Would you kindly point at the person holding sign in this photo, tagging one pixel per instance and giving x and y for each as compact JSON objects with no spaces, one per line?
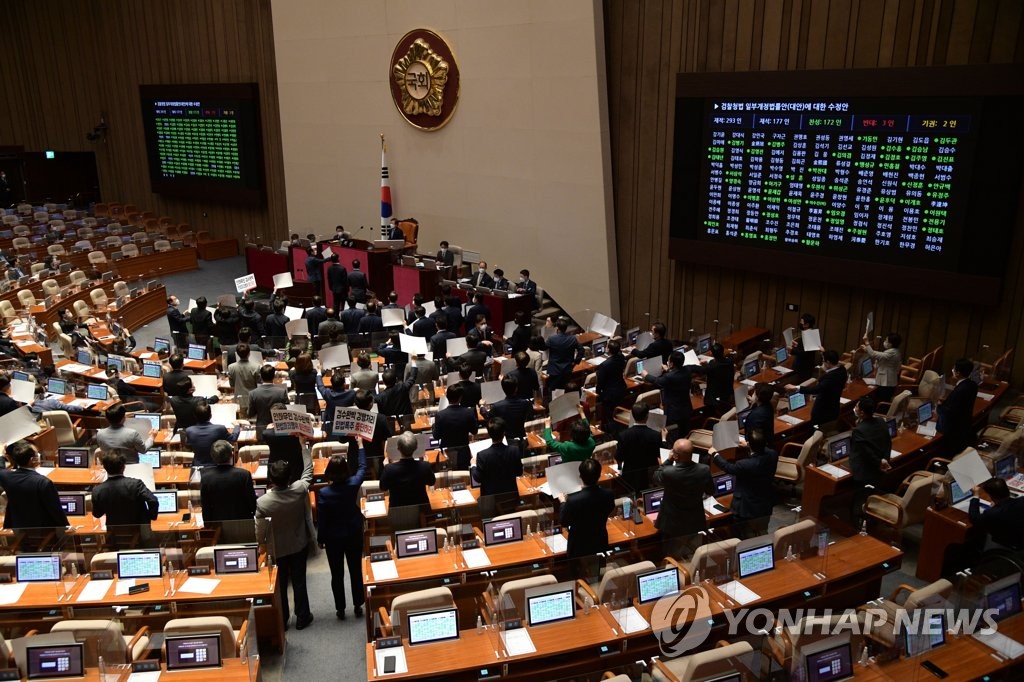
{"x":340,"y":529}
{"x":887,"y":365}
{"x":754,"y":496}
{"x":579,"y":447}
{"x":803,"y":360}
{"x":828,"y":390}
{"x":336,"y":396}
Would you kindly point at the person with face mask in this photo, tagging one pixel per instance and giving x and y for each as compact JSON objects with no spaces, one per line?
{"x":526,"y":285}
{"x":481,"y":278}
{"x":445,"y":256}
{"x":887,"y":365}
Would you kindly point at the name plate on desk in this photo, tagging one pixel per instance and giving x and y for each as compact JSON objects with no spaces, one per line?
{"x":138,"y":589}
{"x":5,"y":578}
{"x":380,"y":556}
{"x":458,"y":486}
{"x":199,"y":570}
{"x":514,"y":624}
{"x":375,"y":497}
{"x":387,"y":642}
{"x":470,"y":544}
{"x":145,"y":666}
{"x":101,"y":575}
{"x":11,"y":674}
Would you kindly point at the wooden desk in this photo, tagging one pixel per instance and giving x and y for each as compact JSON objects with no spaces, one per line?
{"x":410,"y":280}
{"x":264,"y":265}
{"x":156,"y":264}
{"x":944,"y":532}
{"x":375,"y":263}
{"x":231,"y":670}
{"x":745,"y":341}
{"x":216,"y":249}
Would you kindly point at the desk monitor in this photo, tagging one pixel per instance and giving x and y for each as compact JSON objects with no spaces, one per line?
{"x":152,"y":417}
{"x":893,"y":426}
{"x":724,"y":483}
{"x":196,"y":351}
{"x":152,"y":370}
{"x":416,"y":542}
{"x":924,"y":412}
{"x":138,"y":565}
{"x":1003,"y":597}
{"x":150,"y":457}
{"x":839,"y":446}
{"x":956,"y":493}
{"x":652,"y":502}
{"x":188,"y":652}
{"x":115,"y":362}
{"x":74,"y":458}
{"x":57,"y":386}
{"x":502,"y":531}
{"x":781,"y":354}
{"x":168,"y":501}
{"x":704,"y":344}
{"x":19,"y":375}
{"x":107,"y":276}
{"x":741,"y":417}
{"x":550,"y":603}
{"x":1005,"y":467}
{"x":866,"y":367}
{"x":829,"y":664}
{"x":599,"y":347}
{"x":260,"y":490}
{"x":554,"y":460}
{"x":161,"y":345}
{"x":755,"y":560}
{"x":72,"y":504}
{"x":750,"y":368}
{"x":83,"y":357}
{"x":657,"y":584}
{"x":435,"y":625}
{"x":934,"y":635}
{"x":54,"y":660}
{"x":237,"y":559}
{"x":796,"y":401}
{"x":96,"y":392}
{"x":631,"y":335}
{"x":36,"y":568}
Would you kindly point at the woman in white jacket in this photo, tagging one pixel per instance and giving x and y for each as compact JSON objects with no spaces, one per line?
{"x":887,"y":365}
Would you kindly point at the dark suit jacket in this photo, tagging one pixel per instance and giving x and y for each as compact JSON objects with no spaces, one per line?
{"x":350,"y":317}
{"x":529,"y":382}
{"x":202,"y":321}
{"x":828,"y":389}
{"x":761,"y":417}
{"x":227,"y":493}
{"x":337,"y":280}
{"x":275,"y":325}
{"x":585,"y":513}
{"x":638,"y":452}
{"x":682,"y":507}
{"x":658,"y":348}
{"x":803,"y":360}
{"x":611,"y":385}
{"x":956,"y":416}
{"x":753,"y":496}
{"x":337,"y":507}
{"x":422,"y":327}
{"x":520,"y":339}
{"x":370,"y":323}
{"x":333,"y":400}
{"x":8,"y":404}
{"x":564,"y":351}
{"x":314,"y":316}
{"x":500,"y":283}
{"x":870,"y":444}
{"x":395,"y":400}
{"x":251,"y":319}
{"x":406,"y":481}
{"x":314,"y":269}
{"x":476,"y":359}
{"x":474,"y":310}
{"x":497,"y":468}
{"x":481,"y":279}
{"x":515,"y":411}
{"x":184,"y":407}
{"x":125,"y":501}
{"x":176,"y":320}
{"x":173,"y":382}
{"x":201,"y":437}
{"x":719,"y":375}
{"x":439,"y":342}
{"x":675,"y":396}
{"x":226,"y":325}
{"x":471,"y":392}
{"x":358,"y":283}
{"x":445,"y":257}
{"x":262,"y":398}
{"x":32,"y":500}
{"x":1002,"y":521}
{"x":453,"y":426}
{"x":527,"y":287}
{"x":454,"y":315}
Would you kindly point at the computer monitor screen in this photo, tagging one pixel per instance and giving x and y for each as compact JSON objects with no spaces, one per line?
{"x":72,"y":504}
{"x":631,"y":335}
{"x":1005,"y":601}
{"x":187,"y":652}
{"x":432,"y":626}
{"x":933,"y":635}
{"x":956,"y":493}
{"x":502,"y":531}
{"x":704,"y":344}
{"x":58,"y":386}
{"x":652,"y":500}
{"x":781,"y":354}
{"x":96,"y":392}
{"x":924,"y":412}
{"x":554,"y":460}
{"x":1005,"y":467}
{"x":161,"y":345}
{"x":755,"y":560}
{"x":750,"y":369}
{"x":196,"y":352}
{"x":54,"y":660}
{"x":76,"y":458}
{"x":550,"y":605}
{"x":152,"y":370}
{"x":416,"y":542}
{"x":150,"y":457}
{"x":839,"y":446}
{"x":115,"y":362}
{"x":168,"y":501}
{"x":236,"y":559}
{"x":830,"y":664}
{"x":138,"y":565}
{"x":83,"y":357}
{"x":736,"y":677}
{"x":796,"y":401}
{"x":724,"y":483}
{"x":152,"y":417}
{"x":599,"y":347}
{"x":260,"y":490}
{"x":657,"y":584}
{"x":35,"y":568}
{"x":893,"y":427}
{"x":19,"y":375}
{"x":866,"y":367}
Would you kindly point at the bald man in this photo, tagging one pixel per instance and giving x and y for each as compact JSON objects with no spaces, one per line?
{"x":685,"y":482}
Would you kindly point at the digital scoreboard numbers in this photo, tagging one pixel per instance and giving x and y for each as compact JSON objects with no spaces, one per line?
{"x":831,"y":176}
{"x":197,"y":140}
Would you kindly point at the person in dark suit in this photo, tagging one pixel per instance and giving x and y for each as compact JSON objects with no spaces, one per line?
{"x":500,"y":282}
{"x":275,"y":325}
{"x":1002,"y":521}
{"x":471,"y":392}
{"x":439,"y":341}
{"x":337,"y":282}
{"x":828,"y":390}
{"x":177,"y":323}
{"x":754,"y":494}
{"x":7,"y":403}
{"x":394,"y":399}
{"x":225,"y":325}
{"x":762,"y":416}
{"x":315,"y":268}
{"x":422,"y":326}
{"x":334,"y":397}
{"x":870,"y":448}
{"x":675,"y":386}
{"x":125,"y":501}
{"x":226,"y":491}
{"x":564,"y":351}
{"x":803,"y":360}
{"x":521,"y":335}
{"x":474,"y":357}
{"x":315,"y":314}
{"x":478,"y":308}
{"x":352,"y":315}
{"x":453,"y":311}
{"x":455,"y":425}
{"x":660,"y":347}
{"x":32,"y":500}
{"x":357,"y":282}
{"x":174,"y":382}
{"x":585,"y":513}
{"x":371,"y":321}
{"x":526,"y":378}
{"x":340,"y":529}
{"x":445,"y":257}
{"x":498,"y":466}
{"x":956,"y":412}
{"x":481,"y":278}
{"x":265,"y":396}
{"x":611,"y":385}
{"x":381,"y":432}
{"x":513,"y":410}
{"x":407,"y":479}
{"x":248,"y":317}
{"x":202,"y":322}
{"x":202,"y":435}
{"x":639,"y":450}
{"x":184,"y":406}
{"x":526,"y":285}
{"x":682,"y":508}
{"x":718,"y":396}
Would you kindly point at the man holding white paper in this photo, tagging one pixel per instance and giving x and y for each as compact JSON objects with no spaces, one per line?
{"x":803,"y":360}
{"x":118,"y":437}
{"x":754,"y":494}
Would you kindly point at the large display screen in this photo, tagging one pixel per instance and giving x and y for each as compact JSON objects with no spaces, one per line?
{"x":804,"y":174}
{"x":203,"y":141}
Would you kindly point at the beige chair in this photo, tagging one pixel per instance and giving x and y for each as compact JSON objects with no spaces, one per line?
{"x":113,"y":241}
{"x":701,"y":666}
{"x":717,"y":552}
{"x":81,"y":309}
{"x":99,"y":298}
{"x":10,"y":220}
{"x":87,"y":225}
{"x":617,"y":584}
{"x":121,"y":289}
{"x":82,"y":244}
{"x":167,"y":421}
{"x":328,"y":449}
{"x":66,"y":430}
{"x":512,"y":593}
{"x":56,"y":250}
{"x":7,"y":310}
{"x":66,"y":348}
{"x":605,"y":452}
{"x":36,"y":268}
{"x":70,"y":214}
{"x":897,"y":511}
{"x":161,"y":245}
{"x":21,"y":243}
{"x":897,"y":407}
{"x":630,"y":370}
{"x":77,"y":277}
{"x":652,"y":398}
{"x":26,"y":298}
{"x":797,"y":537}
{"x":930,"y":596}
{"x":97,"y":258}
{"x":105,"y":638}
{"x":130,"y":250}
{"x":51,"y":288}
{"x":22,"y":230}
{"x":253,"y":453}
{"x":785,"y":645}
{"x":433,"y":598}
{"x":40,"y":216}
{"x":791,"y":469}
{"x":231,"y":640}
{"x":179,"y":457}
{"x":140,"y":237}
{"x":529,"y":517}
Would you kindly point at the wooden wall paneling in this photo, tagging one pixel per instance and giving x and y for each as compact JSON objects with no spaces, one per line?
{"x":769,"y":17}
{"x":1000,"y":46}
{"x":867,"y":43}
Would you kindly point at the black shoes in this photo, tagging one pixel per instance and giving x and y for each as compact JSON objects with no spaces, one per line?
{"x":303,"y":623}
{"x":358,"y":611}
{"x":340,"y":614}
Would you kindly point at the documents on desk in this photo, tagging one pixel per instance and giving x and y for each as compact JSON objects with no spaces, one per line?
{"x":10,"y":594}
{"x":199,"y":585}
{"x":474,"y":558}
{"x":834,"y":471}
{"x":630,"y":620}
{"x":377,"y":508}
{"x":709,"y":505}
{"x":75,"y":368}
{"x":927,"y":430}
{"x":460,"y":497}
{"x":986,"y":396}
{"x":748,"y":382}
{"x":95,"y":590}
{"x":45,"y":471}
{"x":739,"y":592}
{"x":790,"y":419}
{"x":517,"y":642}
{"x":557,"y":543}
{"x":384,"y":570}
{"x":594,"y":362}
{"x":261,"y":472}
{"x":779,"y":369}
{"x":122,"y":587}
{"x":893,"y":454}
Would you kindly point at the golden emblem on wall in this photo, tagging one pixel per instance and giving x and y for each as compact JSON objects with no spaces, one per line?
{"x":424,"y":79}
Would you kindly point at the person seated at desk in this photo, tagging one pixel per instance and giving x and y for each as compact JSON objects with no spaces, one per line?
{"x":585,"y":514}
{"x":659,"y":347}
{"x":580,"y":445}
{"x":439,"y":341}
{"x":956,"y":412}
{"x":32,"y":500}
{"x":512,"y":410}
{"x":455,"y":426}
{"x":352,"y":315}
{"x":394,"y":231}
{"x":371,"y":321}
{"x":498,"y":466}
{"x":42,"y":403}
{"x":526,"y":285}
{"x":264,"y":396}
{"x":185,"y":407}
{"x":887,"y":365}
{"x":639,"y":450}
{"x":481,"y":278}
{"x":120,"y":438}
{"x":754,"y":495}
{"x":564,"y":351}
{"x":500,"y":281}
{"x":394,"y":399}
{"x":340,"y":529}
{"x":1003,"y":520}
{"x":226,"y":491}
{"x":201,"y":435}
{"x":478,"y":328}
{"x":174,"y":381}
{"x":124,"y":500}
{"x":407,"y":479}
{"x":334,"y":397}
{"x":828,"y":390}
{"x":445,"y":256}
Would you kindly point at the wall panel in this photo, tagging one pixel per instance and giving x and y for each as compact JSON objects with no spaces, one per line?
{"x":726,"y":35}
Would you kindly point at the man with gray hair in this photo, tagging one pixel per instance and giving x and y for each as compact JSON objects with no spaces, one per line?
{"x":407,"y":478}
